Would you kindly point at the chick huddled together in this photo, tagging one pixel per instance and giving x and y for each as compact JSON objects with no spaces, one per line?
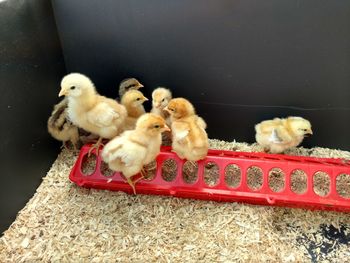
{"x":135,"y":136}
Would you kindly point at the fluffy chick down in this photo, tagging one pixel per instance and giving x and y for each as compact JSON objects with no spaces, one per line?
{"x":128,"y":84}
{"x":89,"y":110}
{"x":133,"y":149}
{"x":278,"y":135}
{"x":133,"y":101}
{"x":160,"y":99}
{"x":190,"y":140}
{"x":60,"y":127}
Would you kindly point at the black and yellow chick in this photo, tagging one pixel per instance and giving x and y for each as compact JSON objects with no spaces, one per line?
{"x":60,"y":127}
{"x":128,"y":84}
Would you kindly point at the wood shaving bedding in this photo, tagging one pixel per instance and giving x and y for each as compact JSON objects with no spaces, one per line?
{"x":66,"y":223}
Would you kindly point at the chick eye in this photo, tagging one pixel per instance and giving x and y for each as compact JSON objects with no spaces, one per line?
{"x":138,"y":99}
{"x":163,"y":100}
{"x":156,"y":126}
{"x":73,"y":87}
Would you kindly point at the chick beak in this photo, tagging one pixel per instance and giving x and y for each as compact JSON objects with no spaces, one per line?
{"x":139,"y":85}
{"x":309,"y":132}
{"x":63,"y":92}
{"x":166,"y":109}
{"x":166,"y":128}
{"x":145,"y":99}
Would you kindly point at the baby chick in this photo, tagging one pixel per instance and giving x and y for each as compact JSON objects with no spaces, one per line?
{"x":190,"y":140}
{"x":278,"y":135}
{"x":132,"y":150}
{"x":89,"y":110}
{"x":59,"y":126}
{"x":128,"y":84}
{"x":133,"y":101}
{"x":160,"y":99}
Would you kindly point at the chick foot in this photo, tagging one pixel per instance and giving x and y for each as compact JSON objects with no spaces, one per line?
{"x":96,"y":146}
{"x":132,"y":183}
{"x":64,"y":146}
{"x":143,"y":172}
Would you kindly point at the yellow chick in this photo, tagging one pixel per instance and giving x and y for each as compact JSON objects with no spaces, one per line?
{"x":60,"y":127}
{"x":278,"y":135}
{"x":89,"y":110}
{"x":128,"y":84}
{"x":132,"y":150}
{"x":133,"y":101}
{"x":190,"y":140}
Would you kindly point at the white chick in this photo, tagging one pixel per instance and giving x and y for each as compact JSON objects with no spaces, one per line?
{"x":89,"y":110}
{"x":160,"y":99}
{"x":278,"y":135}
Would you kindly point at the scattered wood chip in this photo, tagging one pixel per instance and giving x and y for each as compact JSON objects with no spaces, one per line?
{"x":67,"y":223}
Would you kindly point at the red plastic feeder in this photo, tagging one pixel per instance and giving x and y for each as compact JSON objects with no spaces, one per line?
{"x":265,"y":195}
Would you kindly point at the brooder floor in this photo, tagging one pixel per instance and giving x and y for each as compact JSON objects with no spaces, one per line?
{"x":65,"y":223}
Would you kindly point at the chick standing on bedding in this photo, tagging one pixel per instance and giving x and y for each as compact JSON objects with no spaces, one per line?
{"x":278,"y":135}
{"x":132,"y":150}
{"x":190,"y":140}
{"x":133,"y":101}
{"x":160,"y":99}
{"x":60,"y":127}
{"x":128,"y":84}
{"x":89,"y":110}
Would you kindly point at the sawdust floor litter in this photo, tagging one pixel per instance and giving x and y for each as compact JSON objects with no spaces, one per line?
{"x":66,"y":223}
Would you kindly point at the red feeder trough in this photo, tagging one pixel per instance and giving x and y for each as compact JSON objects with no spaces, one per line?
{"x":264,"y":194}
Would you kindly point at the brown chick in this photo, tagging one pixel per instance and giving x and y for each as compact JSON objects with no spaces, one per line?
{"x":278,"y":135}
{"x":89,"y":110}
{"x":190,"y":140}
{"x":133,"y":101}
{"x":60,"y":127}
{"x":128,"y":84}
{"x":160,"y":99}
{"x":132,"y":150}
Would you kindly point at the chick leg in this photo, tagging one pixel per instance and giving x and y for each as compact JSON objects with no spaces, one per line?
{"x":75,"y":148}
{"x":143,"y":173}
{"x":74,"y":144}
{"x":138,"y":179}
{"x":96,"y":146}
{"x":132,"y":184}
{"x":64,"y":145}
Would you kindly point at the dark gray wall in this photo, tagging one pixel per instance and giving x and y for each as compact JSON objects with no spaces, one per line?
{"x":239,"y":61}
{"x":30,"y":70}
